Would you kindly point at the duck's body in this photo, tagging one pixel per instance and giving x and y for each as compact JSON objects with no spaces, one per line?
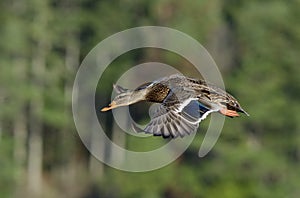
{"x":184,"y":103}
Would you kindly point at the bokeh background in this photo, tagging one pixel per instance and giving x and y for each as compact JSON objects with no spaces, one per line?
{"x":256,"y":45}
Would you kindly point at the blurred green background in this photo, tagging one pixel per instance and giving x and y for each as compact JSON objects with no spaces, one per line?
{"x":256,"y":45}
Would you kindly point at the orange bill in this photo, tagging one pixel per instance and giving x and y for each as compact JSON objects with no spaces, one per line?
{"x":228,"y":112}
{"x":111,"y":106}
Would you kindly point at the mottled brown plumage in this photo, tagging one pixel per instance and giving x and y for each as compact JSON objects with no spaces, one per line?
{"x":184,"y":103}
{"x":157,"y":93}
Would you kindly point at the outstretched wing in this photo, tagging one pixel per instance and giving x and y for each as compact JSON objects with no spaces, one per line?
{"x":118,"y":89}
{"x":176,"y":120}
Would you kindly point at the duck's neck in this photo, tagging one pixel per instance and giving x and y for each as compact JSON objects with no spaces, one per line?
{"x":137,"y":96}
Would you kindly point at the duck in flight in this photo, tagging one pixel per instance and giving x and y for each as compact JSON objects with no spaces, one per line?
{"x":182,"y":104}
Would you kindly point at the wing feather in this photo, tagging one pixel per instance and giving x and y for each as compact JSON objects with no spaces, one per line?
{"x":178,"y":115}
{"x":169,"y":122}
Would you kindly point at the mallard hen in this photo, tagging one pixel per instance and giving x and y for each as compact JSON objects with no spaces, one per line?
{"x":184,"y":103}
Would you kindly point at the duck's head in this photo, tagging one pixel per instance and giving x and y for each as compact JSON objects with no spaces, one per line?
{"x":126,"y":98}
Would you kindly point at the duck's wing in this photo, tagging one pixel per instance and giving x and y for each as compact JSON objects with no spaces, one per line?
{"x":118,"y":89}
{"x":175,"y":120}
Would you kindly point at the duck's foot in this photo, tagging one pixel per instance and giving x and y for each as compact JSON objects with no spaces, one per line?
{"x":229,"y":113}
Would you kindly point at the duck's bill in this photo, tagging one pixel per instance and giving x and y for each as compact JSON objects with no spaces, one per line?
{"x":230,"y":113}
{"x":110,"y":106}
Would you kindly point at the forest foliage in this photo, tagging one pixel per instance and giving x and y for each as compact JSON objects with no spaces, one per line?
{"x":256,"y":45}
